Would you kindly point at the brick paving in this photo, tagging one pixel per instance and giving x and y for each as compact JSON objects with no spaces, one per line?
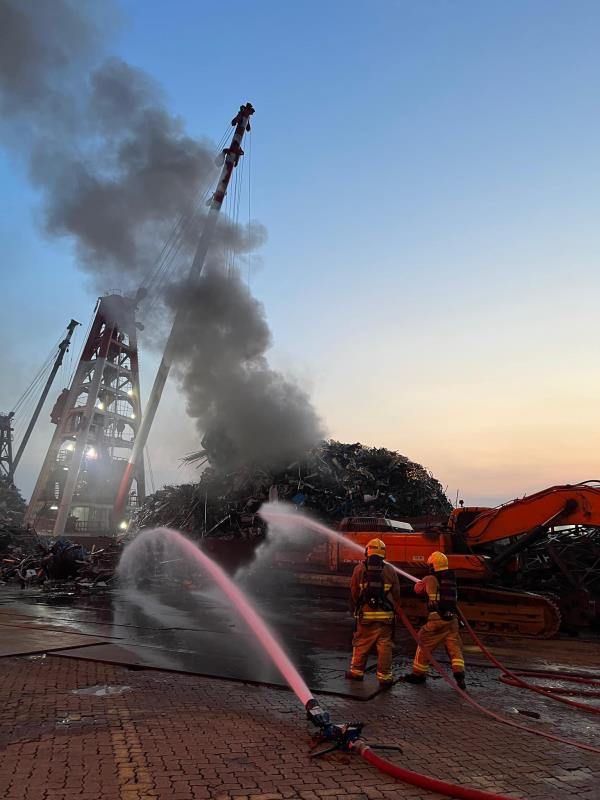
{"x":182,"y":737}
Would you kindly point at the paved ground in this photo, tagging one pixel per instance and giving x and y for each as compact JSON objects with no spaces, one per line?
{"x":181,"y":737}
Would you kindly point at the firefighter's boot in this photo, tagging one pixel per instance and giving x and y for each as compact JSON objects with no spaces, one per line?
{"x":459,"y":677}
{"x":414,"y":677}
{"x":352,"y":676}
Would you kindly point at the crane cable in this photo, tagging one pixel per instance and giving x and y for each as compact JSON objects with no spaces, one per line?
{"x":45,"y":368}
{"x":155,"y":281}
{"x":249,"y":205}
{"x":23,"y":408}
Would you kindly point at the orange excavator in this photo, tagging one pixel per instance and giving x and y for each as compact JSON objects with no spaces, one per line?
{"x":483,"y":547}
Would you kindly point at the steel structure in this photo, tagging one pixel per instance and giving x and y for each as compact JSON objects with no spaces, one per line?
{"x":97,"y":420}
{"x":63,"y":347}
{"x":231,"y":155}
{"x":6,"y":457}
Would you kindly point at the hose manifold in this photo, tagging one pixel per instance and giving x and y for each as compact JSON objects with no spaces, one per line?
{"x":339,"y":736}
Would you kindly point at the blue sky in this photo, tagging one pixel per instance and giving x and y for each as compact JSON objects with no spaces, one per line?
{"x":428,"y":173}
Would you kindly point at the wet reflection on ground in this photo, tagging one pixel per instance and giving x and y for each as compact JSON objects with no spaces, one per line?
{"x":195,"y":630}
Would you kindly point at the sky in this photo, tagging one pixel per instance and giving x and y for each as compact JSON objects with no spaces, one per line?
{"x":428,"y":173}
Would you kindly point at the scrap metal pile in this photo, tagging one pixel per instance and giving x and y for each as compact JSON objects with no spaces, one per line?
{"x":566,"y":566}
{"x":27,"y":561}
{"x":333,"y":481}
{"x":12,"y":507}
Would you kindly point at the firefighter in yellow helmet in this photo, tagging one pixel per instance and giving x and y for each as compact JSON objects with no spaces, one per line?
{"x":375,"y":594}
{"x":442,"y":621}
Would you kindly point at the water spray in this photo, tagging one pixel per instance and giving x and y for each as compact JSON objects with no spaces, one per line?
{"x":337,"y":735}
{"x":279,"y":513}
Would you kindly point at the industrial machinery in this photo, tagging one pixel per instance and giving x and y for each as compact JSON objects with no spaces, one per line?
{"x":47,"y":373}
{"x":93,"y":473}
{"x":97,"y":420}
{"x":484,"y":547}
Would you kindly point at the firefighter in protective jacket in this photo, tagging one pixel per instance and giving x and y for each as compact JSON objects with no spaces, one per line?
{"x":375,"y":594}
{"x":442,"y":621}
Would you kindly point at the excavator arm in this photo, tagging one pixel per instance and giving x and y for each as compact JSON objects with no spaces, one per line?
{"x":558,"y":505}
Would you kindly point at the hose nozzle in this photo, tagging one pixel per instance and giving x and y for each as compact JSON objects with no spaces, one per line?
{"x":318,"y":717}
{"x":338,"y":736}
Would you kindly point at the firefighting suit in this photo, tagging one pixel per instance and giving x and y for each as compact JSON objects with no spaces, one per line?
{"x":375,"y":593}
{"x":441,"y":625}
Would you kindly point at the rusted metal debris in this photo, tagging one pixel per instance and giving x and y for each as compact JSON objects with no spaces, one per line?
{"x":12,"y":506}
{"x":566,"y":566}
{"x":332,"y":480}
{"x":26,"y":561}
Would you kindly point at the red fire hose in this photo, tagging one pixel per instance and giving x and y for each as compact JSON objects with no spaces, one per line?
{"x":423,"y":781}
{"x":512,"y":679}
{"x":516,"y":678}
{"x":499,"y":718}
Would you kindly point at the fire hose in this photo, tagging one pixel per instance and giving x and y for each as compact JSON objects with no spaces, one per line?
{"x":492,"y":714}
{"x":509,"y":677}
{"x":347,"y":737}
{"x":513,"y":678}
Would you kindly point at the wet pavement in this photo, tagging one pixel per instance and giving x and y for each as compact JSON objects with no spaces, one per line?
{"x":184,"y":737}
{"x":195,"y":631}
{"x":103,"y":712}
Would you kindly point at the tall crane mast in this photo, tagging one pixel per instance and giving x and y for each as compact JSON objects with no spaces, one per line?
{"x":96,"y":420}
{"x":62,"y":349}
{"x":232,"y":156}
{"x":6,"y":457}
{"x":8,"y":463}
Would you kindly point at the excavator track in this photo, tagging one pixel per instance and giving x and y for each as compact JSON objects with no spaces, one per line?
{"x":512,"y":613}
{"x":488,"y":609}
{"x":505,"y":613}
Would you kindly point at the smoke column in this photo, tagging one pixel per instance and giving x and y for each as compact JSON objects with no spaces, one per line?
{"x":115,"y":171}
{"x":249,"y":411}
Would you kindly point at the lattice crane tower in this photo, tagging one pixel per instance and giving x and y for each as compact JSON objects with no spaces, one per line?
{"x":6,"y":457}
{"x":97,"y":420}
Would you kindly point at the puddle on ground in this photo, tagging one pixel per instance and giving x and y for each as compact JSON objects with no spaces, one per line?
{"x":102,"y":691}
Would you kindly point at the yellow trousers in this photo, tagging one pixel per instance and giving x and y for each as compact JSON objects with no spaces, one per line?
{"x":433,"y":633}
{"x":369,"y":635}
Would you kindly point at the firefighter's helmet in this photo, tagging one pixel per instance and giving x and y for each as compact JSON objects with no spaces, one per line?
{"x":438,"y":561}
{"x":375,"y":548}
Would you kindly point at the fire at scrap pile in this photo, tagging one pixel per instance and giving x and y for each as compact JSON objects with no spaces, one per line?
{"x":333,"y":480}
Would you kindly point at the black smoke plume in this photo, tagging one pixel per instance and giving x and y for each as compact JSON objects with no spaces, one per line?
{"x":248,"y":410}
{"x":115,"y":171}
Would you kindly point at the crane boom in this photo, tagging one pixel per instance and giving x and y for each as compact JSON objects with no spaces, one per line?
{"x":62,"y":349}
{"x":232,"y":155}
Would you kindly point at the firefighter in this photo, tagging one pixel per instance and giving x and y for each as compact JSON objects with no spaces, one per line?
{"x":375,"y":594}
{"x":442,"y":621}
